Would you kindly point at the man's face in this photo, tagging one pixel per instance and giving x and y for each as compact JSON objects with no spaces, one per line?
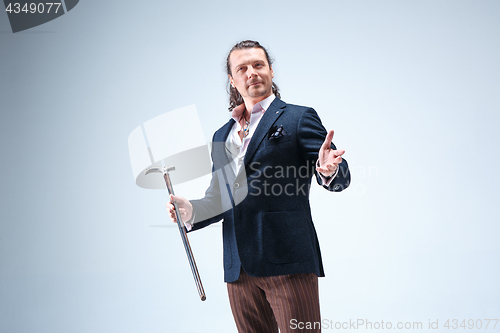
{"x":251,"y":74}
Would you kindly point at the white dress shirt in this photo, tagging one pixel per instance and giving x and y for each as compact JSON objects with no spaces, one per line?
{"x":237,"y":148}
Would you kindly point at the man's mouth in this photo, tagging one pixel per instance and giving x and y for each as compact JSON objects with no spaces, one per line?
{"x":254,"y":83}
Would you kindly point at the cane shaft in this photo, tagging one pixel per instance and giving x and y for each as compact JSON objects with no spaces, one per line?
{"x":185,"y":241}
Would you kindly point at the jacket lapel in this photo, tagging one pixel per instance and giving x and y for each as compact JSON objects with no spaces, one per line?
{"x":274,"y":111}
{"x":219,"y":151}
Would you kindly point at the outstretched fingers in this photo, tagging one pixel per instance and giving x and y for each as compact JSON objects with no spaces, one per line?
{"x":328,"y":140}
{"x":338,"y":154}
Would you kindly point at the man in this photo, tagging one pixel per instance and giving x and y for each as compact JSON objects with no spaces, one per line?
{"x":263,"y":162}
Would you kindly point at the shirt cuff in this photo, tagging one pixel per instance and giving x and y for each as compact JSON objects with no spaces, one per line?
{"x":326,"y":181}
{"x":189,"y":224}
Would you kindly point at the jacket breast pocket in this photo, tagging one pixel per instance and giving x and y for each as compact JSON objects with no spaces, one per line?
{"x":277,"y":142}
{"x":286,"y":237}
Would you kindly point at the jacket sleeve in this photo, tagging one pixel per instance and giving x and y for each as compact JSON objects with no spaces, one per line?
{"x":311,"y":135}
{"x":208,"y":210}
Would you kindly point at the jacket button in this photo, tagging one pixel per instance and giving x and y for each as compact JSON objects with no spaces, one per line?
{"x":236,"y":185}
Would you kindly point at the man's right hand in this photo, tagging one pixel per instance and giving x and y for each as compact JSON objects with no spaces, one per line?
{"x":185,"y":208}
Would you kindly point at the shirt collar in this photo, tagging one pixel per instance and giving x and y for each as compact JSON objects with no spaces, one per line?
{"x":264,"y":104}
{"x":261,"y":106}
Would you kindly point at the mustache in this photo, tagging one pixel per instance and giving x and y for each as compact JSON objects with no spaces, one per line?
{"x":254,"y":81}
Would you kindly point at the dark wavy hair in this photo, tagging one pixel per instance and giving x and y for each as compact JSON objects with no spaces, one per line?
{"x":235,"y":98}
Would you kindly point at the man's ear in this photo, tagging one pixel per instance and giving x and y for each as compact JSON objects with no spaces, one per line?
{"x":230,"y":80}
{"x":272,"y":72}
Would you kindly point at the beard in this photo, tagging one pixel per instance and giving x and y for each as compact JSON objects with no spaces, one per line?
{"x":259,"y":90}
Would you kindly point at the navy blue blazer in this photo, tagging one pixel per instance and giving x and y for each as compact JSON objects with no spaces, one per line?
{"x":267,"y":224}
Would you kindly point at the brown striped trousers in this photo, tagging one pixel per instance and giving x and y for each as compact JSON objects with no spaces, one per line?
{"x":262,"y":304}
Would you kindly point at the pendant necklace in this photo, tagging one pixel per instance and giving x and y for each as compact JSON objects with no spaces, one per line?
{"x":246,"y":128}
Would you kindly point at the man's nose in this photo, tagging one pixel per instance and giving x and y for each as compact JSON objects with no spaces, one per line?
{"x":251,"y":71}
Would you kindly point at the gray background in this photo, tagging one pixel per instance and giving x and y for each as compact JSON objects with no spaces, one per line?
{"x":410,"y":87}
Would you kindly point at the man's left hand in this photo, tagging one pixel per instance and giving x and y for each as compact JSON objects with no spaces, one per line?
{"x":329,"y":158}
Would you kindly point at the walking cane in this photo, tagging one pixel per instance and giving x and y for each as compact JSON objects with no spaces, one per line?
{"x":182,"y":230}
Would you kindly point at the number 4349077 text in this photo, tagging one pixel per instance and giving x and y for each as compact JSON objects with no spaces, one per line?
{"x":33,"y":7}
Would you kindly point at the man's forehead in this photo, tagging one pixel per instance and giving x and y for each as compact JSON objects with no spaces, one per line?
{"x":243,"y":56}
